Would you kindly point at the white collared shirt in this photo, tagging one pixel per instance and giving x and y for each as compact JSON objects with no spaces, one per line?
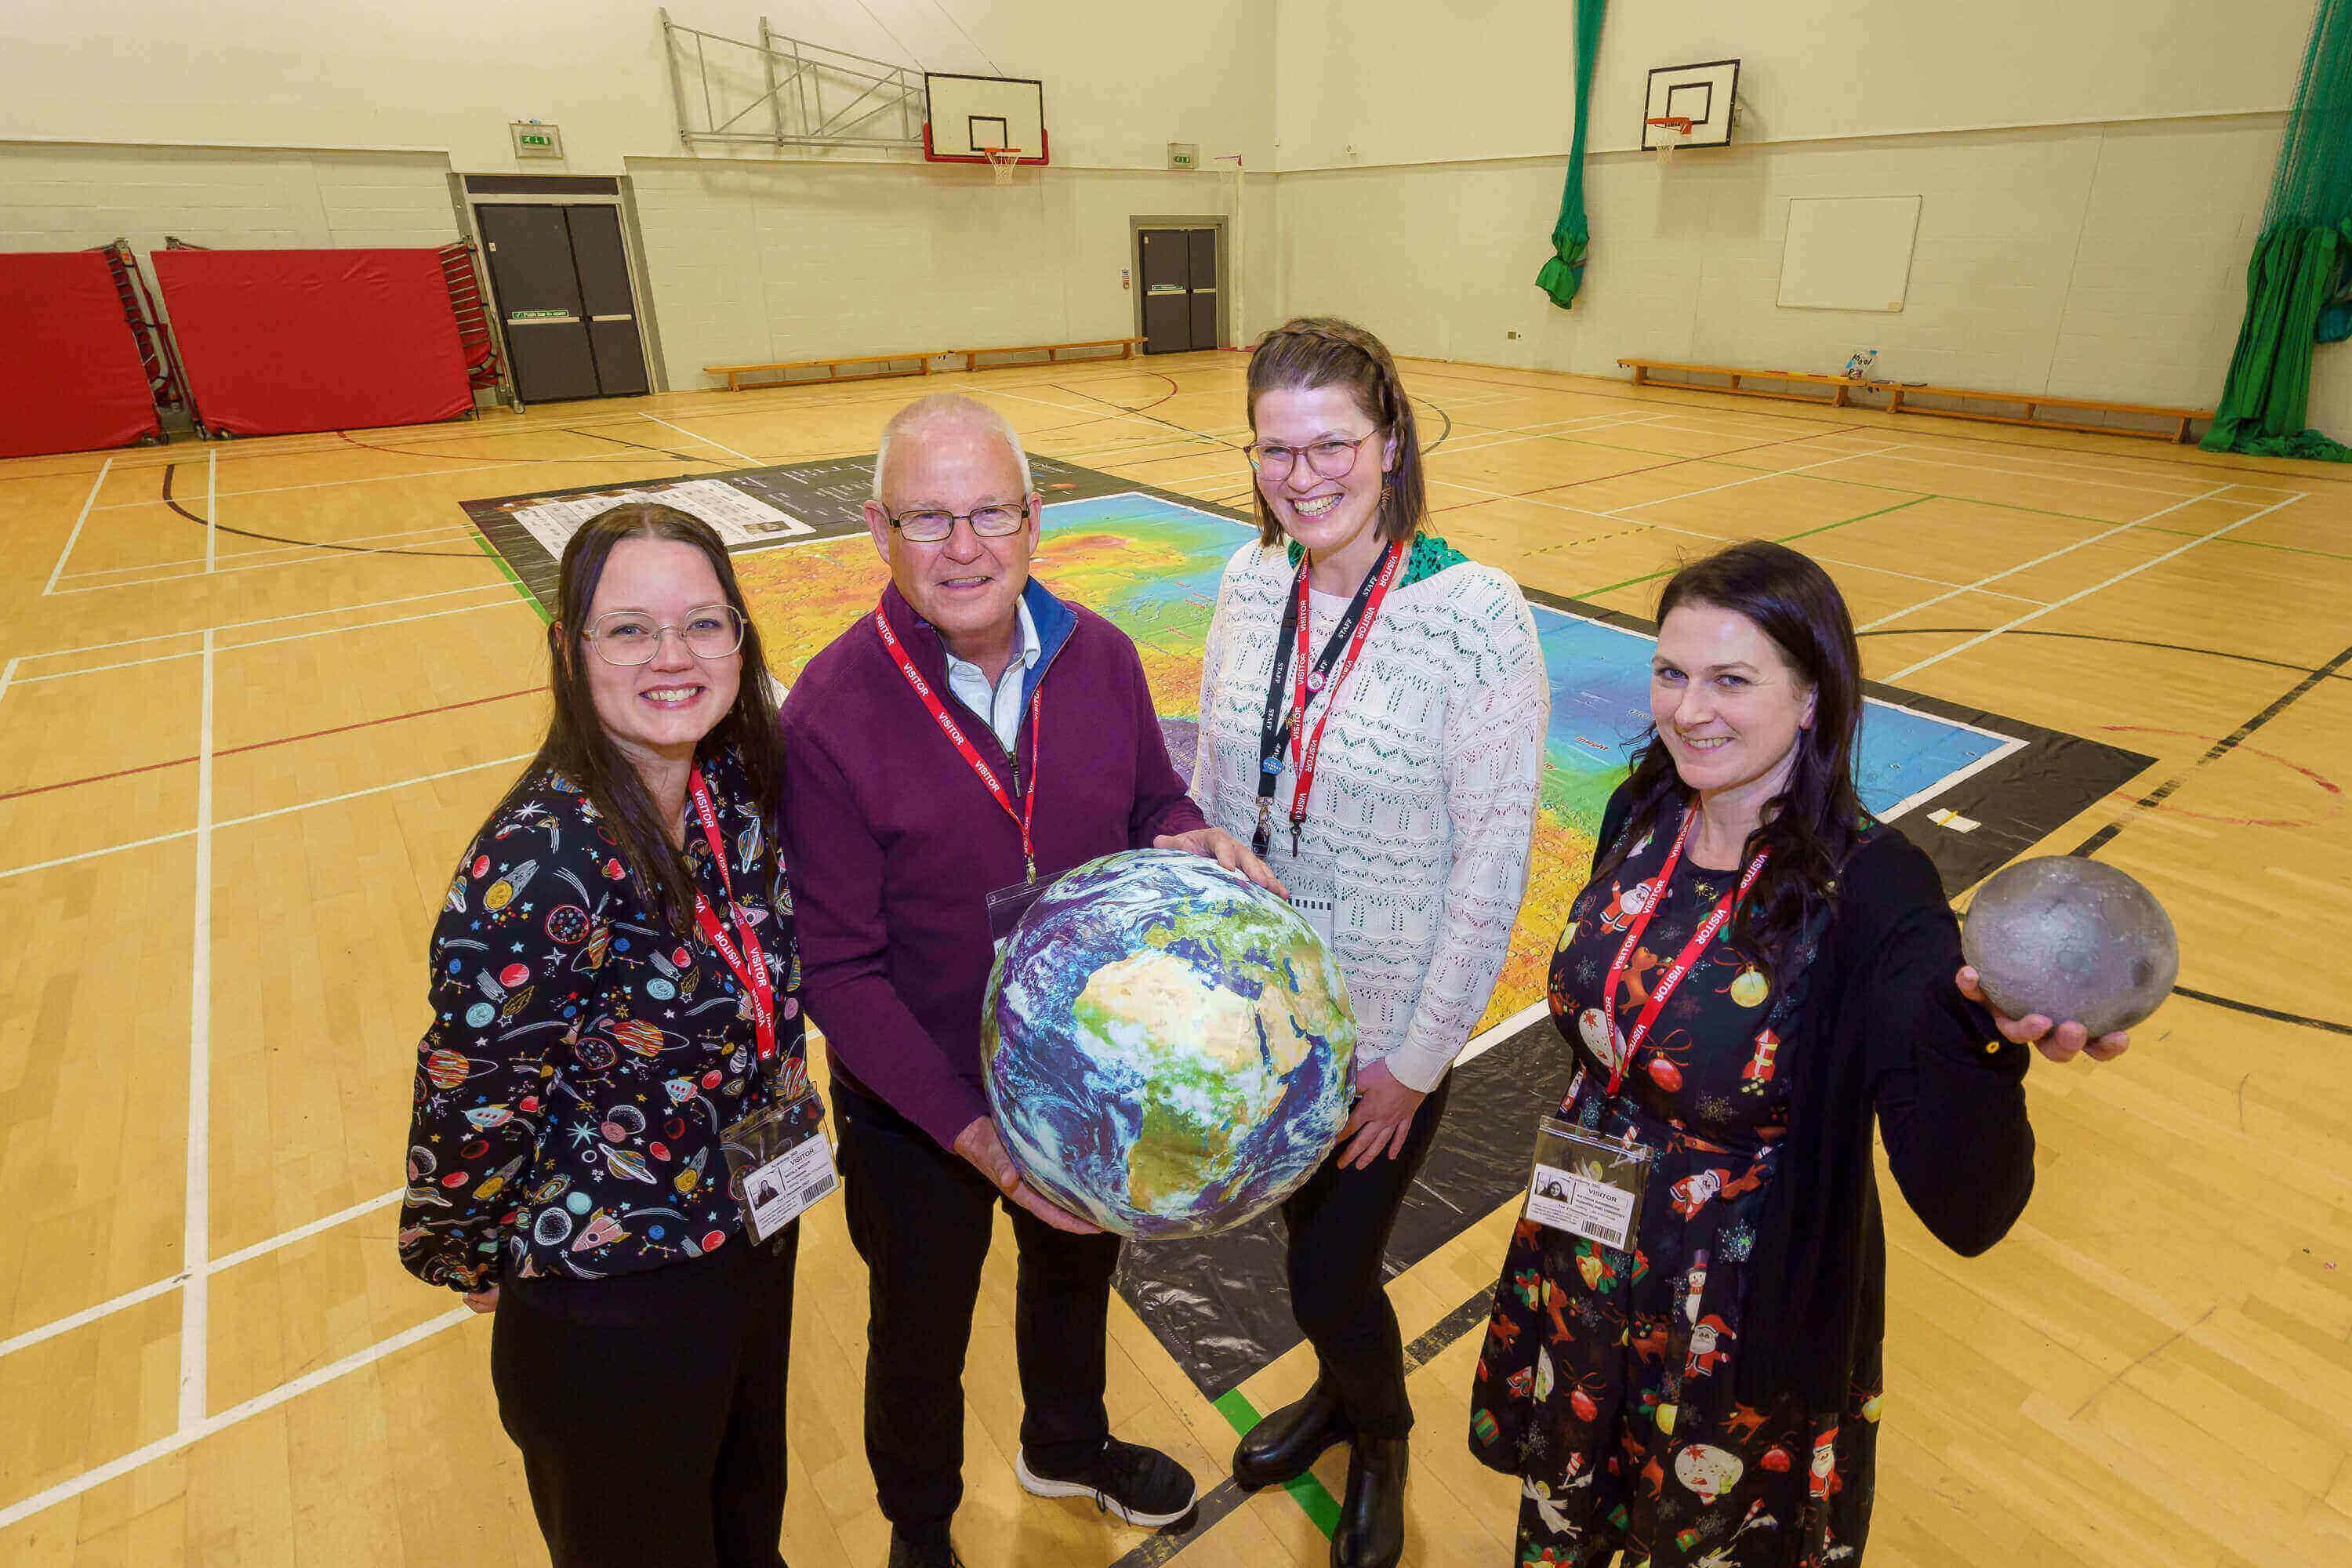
{"x":1001,"y":706}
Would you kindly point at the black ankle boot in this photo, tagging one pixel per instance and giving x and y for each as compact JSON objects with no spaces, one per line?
{"x":1372,"y":1517}
{"x":1285,"y":1444}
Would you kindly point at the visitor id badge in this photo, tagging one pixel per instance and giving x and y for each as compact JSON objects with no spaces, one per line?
{"x":1586,"y":1185}
{"x":781,"y":1163}
{"x":1313,"y":890}
{"x":1007,"y":906}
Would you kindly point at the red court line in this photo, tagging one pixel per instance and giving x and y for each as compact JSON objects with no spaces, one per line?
{"x":282,"y":741}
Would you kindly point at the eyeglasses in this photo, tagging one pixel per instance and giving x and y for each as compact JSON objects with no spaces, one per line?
{"x":1329,"y":457}
{"x":626,"y":636}
{"x":934,"y":527}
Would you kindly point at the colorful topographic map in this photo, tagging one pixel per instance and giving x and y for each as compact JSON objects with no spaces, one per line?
{"x":1151,"y":566}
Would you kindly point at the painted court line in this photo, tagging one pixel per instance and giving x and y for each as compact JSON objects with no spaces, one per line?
{"x":1911,"y":669}
{"x":233,"y":1415}
{"x":323,"y":554}
{"x":2064,"y":550}
{"x":1944,"y":461}
{"x":75,"y":536}
{"x":706,"y":440}
{"x":129,"y":1298}
{"x":105,"y":850}
{"x":195,"y":1235}
{"x":260,"y":621}
{"x":266,"y":642}
{"x":434,"y":531}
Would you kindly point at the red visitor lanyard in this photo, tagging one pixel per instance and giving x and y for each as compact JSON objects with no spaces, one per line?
{"x":954,"y":733}
{"x":1682,"y":965}
{"x":750,"y":965}
{"x":1304,"y":747}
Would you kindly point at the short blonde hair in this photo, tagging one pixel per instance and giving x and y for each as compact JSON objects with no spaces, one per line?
{"x":951,"y":408}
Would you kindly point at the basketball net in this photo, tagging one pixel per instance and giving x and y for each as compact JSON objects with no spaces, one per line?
{"x":1679,"y":129}
{"x":1002,"y":160}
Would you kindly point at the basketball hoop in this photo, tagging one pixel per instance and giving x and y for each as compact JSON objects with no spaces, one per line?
{"x":1002,"y":159}
{"x":1679,"y":129}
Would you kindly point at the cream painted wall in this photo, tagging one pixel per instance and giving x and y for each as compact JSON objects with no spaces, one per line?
{"x":449,"y":75}
{"x":2099,"y":259}
{"x":2096,"y":262}
{"x":72,"y":197}
{"x":1384,"y":81}
{"x":785,"y":261}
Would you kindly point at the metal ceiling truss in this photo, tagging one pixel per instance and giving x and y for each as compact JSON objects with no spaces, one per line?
{"x":786,"y":92}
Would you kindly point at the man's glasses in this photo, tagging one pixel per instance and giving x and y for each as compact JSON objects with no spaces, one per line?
{"x":932,"y":527}
{"x":1329,"y":457}
{"x":626,"y":636}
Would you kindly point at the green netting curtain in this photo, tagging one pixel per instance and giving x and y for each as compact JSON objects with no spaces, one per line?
{"x":1563,"y":275}
{"x":2299,"y":284}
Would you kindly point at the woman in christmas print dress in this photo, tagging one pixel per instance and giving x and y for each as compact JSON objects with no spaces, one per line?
{"x":1708,"y":1396}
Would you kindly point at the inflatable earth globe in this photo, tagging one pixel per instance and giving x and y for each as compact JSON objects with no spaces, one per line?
{"x":1168,"y":1050}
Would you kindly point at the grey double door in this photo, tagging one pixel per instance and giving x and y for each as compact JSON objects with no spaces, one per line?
{"x":562,"y":280}
{"x":1179,"y":268}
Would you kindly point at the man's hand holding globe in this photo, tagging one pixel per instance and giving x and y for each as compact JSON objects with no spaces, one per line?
{"x":980,"y":1144}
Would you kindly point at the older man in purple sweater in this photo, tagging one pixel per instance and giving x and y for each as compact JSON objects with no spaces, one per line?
{"x":973,"y":735}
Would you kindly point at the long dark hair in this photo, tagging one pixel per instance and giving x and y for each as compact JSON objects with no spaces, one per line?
{"x":1322,"y":350}
{"x":1811,"y":824}
{"x":577,"y":746}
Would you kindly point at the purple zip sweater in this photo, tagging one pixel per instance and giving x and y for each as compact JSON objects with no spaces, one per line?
{"x":896,"y":845}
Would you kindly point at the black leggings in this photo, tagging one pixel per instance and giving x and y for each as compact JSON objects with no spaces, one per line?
{"x":650,"y":1408}
{"x":1339,"y":1224}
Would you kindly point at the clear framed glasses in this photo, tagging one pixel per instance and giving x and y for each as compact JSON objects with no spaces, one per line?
{"x":934,"y":527}
{"x":1329,"y":458}
{"x":627,"y":636}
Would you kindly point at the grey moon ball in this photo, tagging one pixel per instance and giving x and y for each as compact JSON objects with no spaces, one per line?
{"x":2071,"y":939}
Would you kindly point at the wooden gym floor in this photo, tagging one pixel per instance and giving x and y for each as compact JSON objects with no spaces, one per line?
{"x":236,"y":762}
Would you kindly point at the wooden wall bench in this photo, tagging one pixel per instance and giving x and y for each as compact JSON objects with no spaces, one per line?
{"x":918,"y":362}
{"x":1053,"y":352}
{"x":1899,"y":397}
{"x":912,"y":362}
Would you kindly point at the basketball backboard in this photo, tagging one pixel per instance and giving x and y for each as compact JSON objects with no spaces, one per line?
{"x":1703,"y":94}
{"x":970,"y":114}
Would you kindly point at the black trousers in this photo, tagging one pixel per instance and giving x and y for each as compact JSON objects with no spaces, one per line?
{"x":1339,"y":1224}
{"x":650,"y":1408}
{"x":919,"y":1215}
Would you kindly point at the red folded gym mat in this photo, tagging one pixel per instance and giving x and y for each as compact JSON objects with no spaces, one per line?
{"x":72,"y":379}
{"x":275,"y":341}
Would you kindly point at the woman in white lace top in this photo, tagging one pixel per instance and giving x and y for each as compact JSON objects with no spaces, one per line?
{"x":1413,"y":703}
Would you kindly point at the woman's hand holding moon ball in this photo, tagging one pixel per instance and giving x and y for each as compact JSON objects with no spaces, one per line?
{"x":2062,"y":1043}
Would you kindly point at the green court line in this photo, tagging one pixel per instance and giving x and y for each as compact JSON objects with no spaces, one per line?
{"x":528,"y":597}
{"x":1866,"y":517}
{"x":1314,"y":1500}
{"x":1594,"y":593}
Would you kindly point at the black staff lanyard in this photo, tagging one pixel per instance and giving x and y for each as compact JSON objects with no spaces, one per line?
{"x":1286,"y":703}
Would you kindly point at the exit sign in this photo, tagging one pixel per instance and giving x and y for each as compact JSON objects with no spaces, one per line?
{"x":534,"y":140}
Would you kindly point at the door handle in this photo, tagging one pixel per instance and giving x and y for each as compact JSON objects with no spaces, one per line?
{"x":622,"y":316}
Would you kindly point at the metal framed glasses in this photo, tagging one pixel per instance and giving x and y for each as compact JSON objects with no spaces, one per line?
{"x":629,"y":637}
{"x":1328,"y":456}
{"x":934,"y":527}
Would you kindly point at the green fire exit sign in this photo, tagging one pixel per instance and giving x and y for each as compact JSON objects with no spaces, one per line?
{"x":536,"y":138}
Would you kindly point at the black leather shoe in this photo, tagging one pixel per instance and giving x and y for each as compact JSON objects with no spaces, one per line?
{"x":923,"y":1547}
{"x":1371,"y":1516}
{"x":1285,"y":1444}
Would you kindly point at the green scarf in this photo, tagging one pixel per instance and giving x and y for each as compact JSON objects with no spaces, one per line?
{"x":1430,"y":556}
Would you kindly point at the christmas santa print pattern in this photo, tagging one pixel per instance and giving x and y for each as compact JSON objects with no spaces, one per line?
{"x":1606,"y":1381}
